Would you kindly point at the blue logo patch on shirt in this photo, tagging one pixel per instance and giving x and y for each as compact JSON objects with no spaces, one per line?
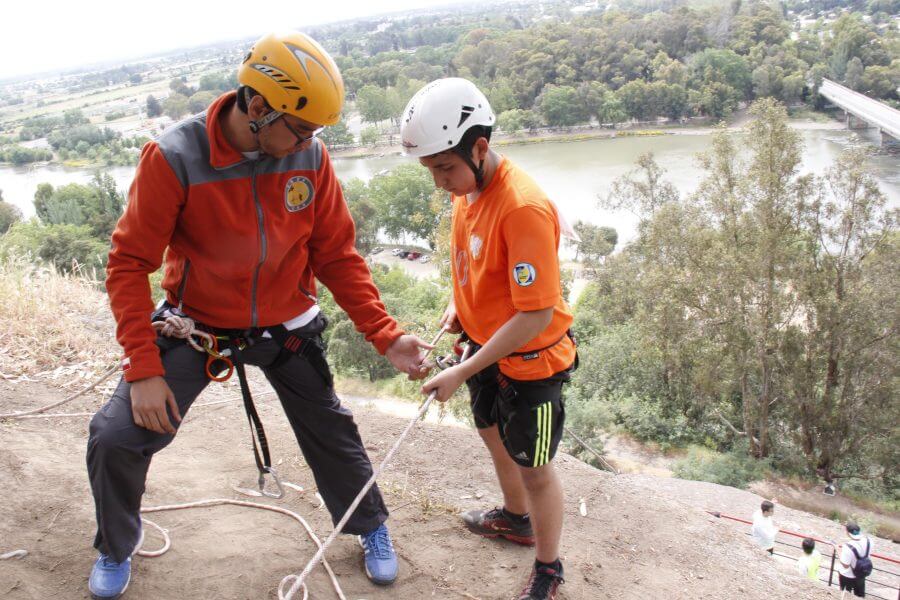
{"x":524,"y":274}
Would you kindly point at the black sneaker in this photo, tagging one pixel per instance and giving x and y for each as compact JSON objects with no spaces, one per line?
{"x":495,"y":523}
{"x":543,"y":583}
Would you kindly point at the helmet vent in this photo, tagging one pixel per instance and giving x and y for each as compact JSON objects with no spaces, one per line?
{"x":301,"y":102}
{"x":464,"y":114}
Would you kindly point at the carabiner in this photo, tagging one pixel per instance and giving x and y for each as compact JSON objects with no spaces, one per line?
{"x":262,"y":483}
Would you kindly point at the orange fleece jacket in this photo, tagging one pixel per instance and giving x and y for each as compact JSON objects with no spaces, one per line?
{"x":243,"y":240}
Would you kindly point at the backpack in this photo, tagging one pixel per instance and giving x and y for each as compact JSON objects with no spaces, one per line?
{"x":863,"y":566}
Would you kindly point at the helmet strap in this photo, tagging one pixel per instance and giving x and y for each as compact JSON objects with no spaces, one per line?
{"x":478,"y":171}
{"x":266,"y":119}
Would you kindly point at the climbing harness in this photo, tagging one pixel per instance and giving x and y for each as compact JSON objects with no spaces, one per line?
{"x":224,"y":348}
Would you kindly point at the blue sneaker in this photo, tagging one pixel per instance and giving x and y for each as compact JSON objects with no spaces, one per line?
{"x":109,"y":579}
{"x":381,"y":560}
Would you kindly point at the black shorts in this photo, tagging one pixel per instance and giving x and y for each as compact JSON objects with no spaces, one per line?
{"x":856,"y":585}
{"x":529,"y":414}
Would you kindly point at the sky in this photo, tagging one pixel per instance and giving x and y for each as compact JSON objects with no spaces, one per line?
{"x":41,"y":35}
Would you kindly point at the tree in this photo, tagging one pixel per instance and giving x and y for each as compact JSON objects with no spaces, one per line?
{"x":643,"y":190}
{"x":200,"y":101}
{"x":841,"y":388}
{"x":179,"y":85}
{"x":363,"y":212}
{"x":9,"y":214}
{"x":717,"y":100}
{"x":403,"y":200}
{"x":176,"y":106}
{"x":337,"y":135}
{"x":853,"y":76}
{"x":511,"y":121}
{"x":723,"y":67}
{"x":561,"y":106}
{"x":369,"y":136}
{"x":882,"y":81}
{"x":97,"y":205}
{"x":73,"y":117}
{"x":373,"y":104}
{"x":596,"y":243}
{"x":154,"y":108}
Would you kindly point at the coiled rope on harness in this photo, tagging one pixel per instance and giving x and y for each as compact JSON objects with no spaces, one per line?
{"x":183,"y":327}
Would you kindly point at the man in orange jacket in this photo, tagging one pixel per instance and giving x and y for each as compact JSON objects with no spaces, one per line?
{"x":242,"y":205}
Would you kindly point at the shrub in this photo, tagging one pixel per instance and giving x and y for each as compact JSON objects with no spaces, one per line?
{"x":734,"y":468}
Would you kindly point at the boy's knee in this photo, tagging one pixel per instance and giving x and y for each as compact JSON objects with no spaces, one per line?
{"x":536,"y":478}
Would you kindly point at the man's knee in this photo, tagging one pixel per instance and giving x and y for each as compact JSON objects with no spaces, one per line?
{"x":117,"y":434}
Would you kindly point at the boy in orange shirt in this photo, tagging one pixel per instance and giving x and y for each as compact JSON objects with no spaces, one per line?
{"x":508,"y":299}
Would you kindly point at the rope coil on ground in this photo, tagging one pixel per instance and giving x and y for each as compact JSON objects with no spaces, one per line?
{"x":167,"y":543}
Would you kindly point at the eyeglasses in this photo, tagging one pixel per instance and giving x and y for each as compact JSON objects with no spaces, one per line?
{"x":301,"y":139}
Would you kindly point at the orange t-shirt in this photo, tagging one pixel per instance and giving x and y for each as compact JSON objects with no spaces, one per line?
{"x":504,"y":248}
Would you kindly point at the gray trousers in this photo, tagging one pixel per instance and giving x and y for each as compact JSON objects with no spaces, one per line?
{"x":119,"y":452}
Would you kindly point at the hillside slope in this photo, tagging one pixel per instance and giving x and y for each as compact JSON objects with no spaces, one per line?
{"x":642,"y":537}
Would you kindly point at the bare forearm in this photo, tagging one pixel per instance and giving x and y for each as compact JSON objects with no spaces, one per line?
{"x":515,"y":333}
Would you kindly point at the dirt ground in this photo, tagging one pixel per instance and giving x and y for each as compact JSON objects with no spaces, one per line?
{"x":642,"y":537}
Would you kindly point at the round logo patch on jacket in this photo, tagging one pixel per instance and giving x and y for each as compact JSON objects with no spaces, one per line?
{"x":298,"y":193}
{"x":524,"y":274}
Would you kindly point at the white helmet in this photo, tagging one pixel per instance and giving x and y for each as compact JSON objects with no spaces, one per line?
{"x":438,"y":116}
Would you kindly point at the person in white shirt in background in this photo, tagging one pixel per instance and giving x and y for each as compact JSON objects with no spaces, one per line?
{"x":809,"y":561}
{"x":763,"y":529}
{"x":848,"y":574}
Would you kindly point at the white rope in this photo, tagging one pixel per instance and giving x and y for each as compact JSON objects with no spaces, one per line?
{"x":14,"y":554}
{"x":19,"y":415}
{"x":298,"y":580}
{"x":91,"y":414}
{"x":182,"y":328}
{"x":167,"y":542}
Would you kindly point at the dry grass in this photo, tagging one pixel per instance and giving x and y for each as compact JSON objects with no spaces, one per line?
{"x":53,"y":326}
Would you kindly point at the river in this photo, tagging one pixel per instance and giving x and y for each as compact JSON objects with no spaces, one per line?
{"x":574,"y":174}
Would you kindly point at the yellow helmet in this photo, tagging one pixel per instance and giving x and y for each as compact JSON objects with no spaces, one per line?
{"x":296,"y":76}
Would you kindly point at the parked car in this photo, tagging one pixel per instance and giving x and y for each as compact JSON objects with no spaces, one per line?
{"x":403,"y":254}
{"x":425,"y":258}
{"x":413,"y":255}
{"x":377,"y":250}
{"x":396,"y":251}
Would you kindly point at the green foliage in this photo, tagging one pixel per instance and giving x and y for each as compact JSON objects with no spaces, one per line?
{"x":218,"y":83}
{"x":337,"y":135}
{"x":561,"y":106}
{"x":19,"y":155}
{"x":416,"y":304}
{"x":200,"y":101}
{"x":154,"y":108}
{"x":596,"y":243}
{"x":742,"y":302}
{"x":369,"y":136}
{"x":364,"y":213}
{"x":735,"y":469}
{"x":176,"y":105}
{"x":9,"y":215}
{"x":403,"y":201}
{"x":374,"y":104}
{"x":66,"y":247}
{"x":97,"y":205}
{"x":38,"y":127}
